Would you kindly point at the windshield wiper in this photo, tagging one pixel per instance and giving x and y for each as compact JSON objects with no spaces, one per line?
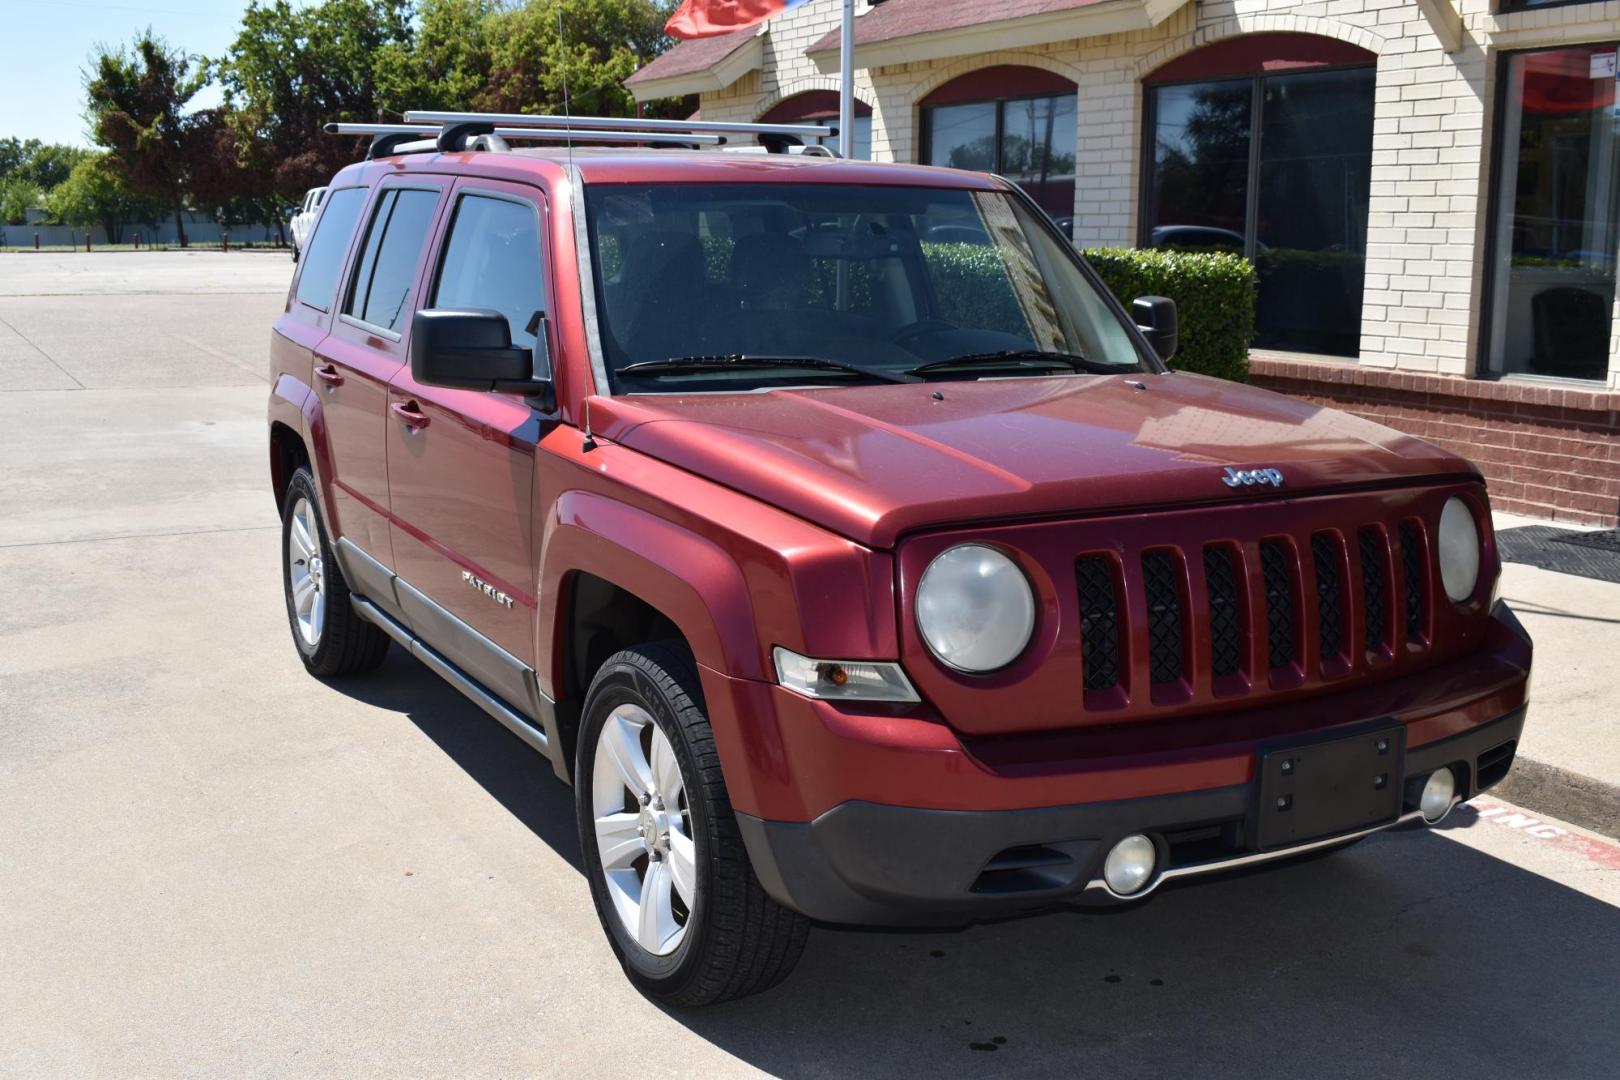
{"x":745,"y":362}
{"x":1018,"y":359}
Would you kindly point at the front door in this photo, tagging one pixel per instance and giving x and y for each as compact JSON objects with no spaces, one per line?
{"x":364,"y":350}
{"x":461,"y":463}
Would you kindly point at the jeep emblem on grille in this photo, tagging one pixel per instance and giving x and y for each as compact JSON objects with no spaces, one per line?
{"x":1250,"y":477}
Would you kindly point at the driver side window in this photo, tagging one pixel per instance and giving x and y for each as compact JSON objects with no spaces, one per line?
{"x":492,"y":262}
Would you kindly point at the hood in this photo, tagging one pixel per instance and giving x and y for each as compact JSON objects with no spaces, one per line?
{"x":874,"y":462}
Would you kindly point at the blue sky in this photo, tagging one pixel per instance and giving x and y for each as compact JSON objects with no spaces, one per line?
{"x":47,"y":44}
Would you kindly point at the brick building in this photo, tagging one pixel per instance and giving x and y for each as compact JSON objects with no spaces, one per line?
{"x":1429,"y":189}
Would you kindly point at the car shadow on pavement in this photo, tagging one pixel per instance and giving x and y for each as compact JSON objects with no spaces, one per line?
{"x":1407,"y":955}
{"x":509,"y":770}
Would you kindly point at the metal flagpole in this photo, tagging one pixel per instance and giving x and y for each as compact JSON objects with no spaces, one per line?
{"x":846,"y":84}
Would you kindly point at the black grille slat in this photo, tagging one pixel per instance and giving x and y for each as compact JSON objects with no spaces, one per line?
{"x":1279,"y":582}
{"x":1374,"y":588}
{"x":1225,"y":624}
{"x":1412,"y":565}
{"x":1329,"y":593}
{"x":1164,"y":616}
{"x":1099,"y":622}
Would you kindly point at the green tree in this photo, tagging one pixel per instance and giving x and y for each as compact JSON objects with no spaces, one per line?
{"x":447,"y":65}
{"x":603,"y":42}
{"x":94,"y":193}
{"x":17,"y":197}
{"x":138,"y":98}
{"x":291,"y":70}
{"x":44,"y":164}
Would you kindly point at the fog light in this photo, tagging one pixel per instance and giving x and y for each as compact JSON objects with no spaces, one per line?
{"x":1438,"y":795}
{"x":1129,"y":865}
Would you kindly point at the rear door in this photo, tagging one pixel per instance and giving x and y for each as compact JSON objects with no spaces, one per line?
{"x":461,"y":463}
{"x":364,"y":350}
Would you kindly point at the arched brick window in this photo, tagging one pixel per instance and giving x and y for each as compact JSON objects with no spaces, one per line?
{"x":1018,"y":121}
{"x":1262,"y":145}
{"x":821,"y":106}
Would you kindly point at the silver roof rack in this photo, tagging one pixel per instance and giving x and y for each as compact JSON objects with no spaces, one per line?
{"x":447,"y":132}
{"x":622,"y":123}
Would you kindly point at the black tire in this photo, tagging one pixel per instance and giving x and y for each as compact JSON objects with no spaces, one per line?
{"x":738,"y":941}
{"x":347,"y":643}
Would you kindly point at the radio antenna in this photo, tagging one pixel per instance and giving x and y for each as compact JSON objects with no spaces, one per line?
{"x":568,"y":112}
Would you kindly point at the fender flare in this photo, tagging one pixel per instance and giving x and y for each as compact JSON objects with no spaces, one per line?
{"x":689,"y":579}
{"x":297,"y":407}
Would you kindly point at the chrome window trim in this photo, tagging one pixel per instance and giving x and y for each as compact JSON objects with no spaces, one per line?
{"x":587,"y":284}
{"x":370,"y":328}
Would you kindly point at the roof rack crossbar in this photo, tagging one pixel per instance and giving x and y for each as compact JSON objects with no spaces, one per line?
{"x":622,"y":123}
{"x":411,"y":132}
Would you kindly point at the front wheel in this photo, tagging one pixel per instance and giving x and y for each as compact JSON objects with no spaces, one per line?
{"x":670,"y":877}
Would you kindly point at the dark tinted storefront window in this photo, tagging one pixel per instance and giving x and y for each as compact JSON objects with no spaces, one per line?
{"x":1028,"y":137}
{"x":821,"y":107}
{"x":1293,"y":199}
{"x":1556,"y":230}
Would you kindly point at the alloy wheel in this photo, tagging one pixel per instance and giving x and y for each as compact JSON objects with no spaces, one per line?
{"x":306,"y":574}
{"x":644,"y":830}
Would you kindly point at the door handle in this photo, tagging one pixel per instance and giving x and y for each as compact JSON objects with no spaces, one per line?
{"x":329,"y":375}
{"x":411,"y":413}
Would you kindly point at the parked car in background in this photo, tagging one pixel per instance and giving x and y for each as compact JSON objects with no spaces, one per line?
{"x":853,"y":552}
{"x":304,"y":218}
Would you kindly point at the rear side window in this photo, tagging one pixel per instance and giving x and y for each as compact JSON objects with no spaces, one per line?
{"x":492,"y":261}
{"x":323,"y":254}
{"x":387,"y":265}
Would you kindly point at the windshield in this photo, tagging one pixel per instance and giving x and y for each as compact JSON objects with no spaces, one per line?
{"x":746,"y":286}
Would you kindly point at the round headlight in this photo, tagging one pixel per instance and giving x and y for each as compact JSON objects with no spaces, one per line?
{"x":975,"y":608}
{"x":1459,"y":550}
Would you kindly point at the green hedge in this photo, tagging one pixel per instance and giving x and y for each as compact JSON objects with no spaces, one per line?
{"x":1214,"y":294}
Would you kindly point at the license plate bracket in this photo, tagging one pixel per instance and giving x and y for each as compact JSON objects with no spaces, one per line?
{"x":1318,"y":788}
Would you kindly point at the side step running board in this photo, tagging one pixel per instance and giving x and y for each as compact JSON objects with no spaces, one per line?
{"x":453,"y":675}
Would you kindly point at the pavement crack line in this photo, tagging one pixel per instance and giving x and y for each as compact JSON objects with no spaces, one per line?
{"x":135,"y":536}
{"x":49,"y":359}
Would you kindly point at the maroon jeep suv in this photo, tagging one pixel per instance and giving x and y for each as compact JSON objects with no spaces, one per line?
{"x":850,"y":549}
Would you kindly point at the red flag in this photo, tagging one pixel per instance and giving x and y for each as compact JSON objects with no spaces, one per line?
{"x":711,"y":18}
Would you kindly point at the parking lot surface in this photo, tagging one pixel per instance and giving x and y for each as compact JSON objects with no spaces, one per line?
{"x":213,"y":864}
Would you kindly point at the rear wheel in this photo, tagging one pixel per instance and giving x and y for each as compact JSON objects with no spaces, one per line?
{"x":331,"y":637}
{"x":670,"y":877}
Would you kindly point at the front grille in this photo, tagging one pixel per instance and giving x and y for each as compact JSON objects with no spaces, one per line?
{"x":1099,"y":622}
{"x":1412,"y":562}
{"x":1225,"y":617}
{"x":1274,"y":560}
{"x":1164,"y":616}
{"x":1329,"y":614}
{"x":1374,"y":588}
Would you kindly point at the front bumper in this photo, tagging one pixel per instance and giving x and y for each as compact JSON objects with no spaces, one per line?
{"x":870,"y":864}
{"x":892,"y":820}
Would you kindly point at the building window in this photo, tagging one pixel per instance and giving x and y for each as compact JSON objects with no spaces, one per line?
{"x":1556,"y":220}
{"x":821,"y":107}
{"x":1019,"y":122}
{"x":1262,"y":146}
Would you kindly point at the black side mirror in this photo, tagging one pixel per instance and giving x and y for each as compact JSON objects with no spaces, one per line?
{"x":473,"y":350}
{"x":1155,"y":316}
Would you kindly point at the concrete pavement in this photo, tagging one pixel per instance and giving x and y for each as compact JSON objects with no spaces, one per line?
{"x":212,"y":864}
{"x":1569,"y":757}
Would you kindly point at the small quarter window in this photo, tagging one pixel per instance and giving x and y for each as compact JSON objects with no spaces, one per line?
{"x":323,"y":255}
{"x":387,"y":266}
{"x":492,"y":262}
